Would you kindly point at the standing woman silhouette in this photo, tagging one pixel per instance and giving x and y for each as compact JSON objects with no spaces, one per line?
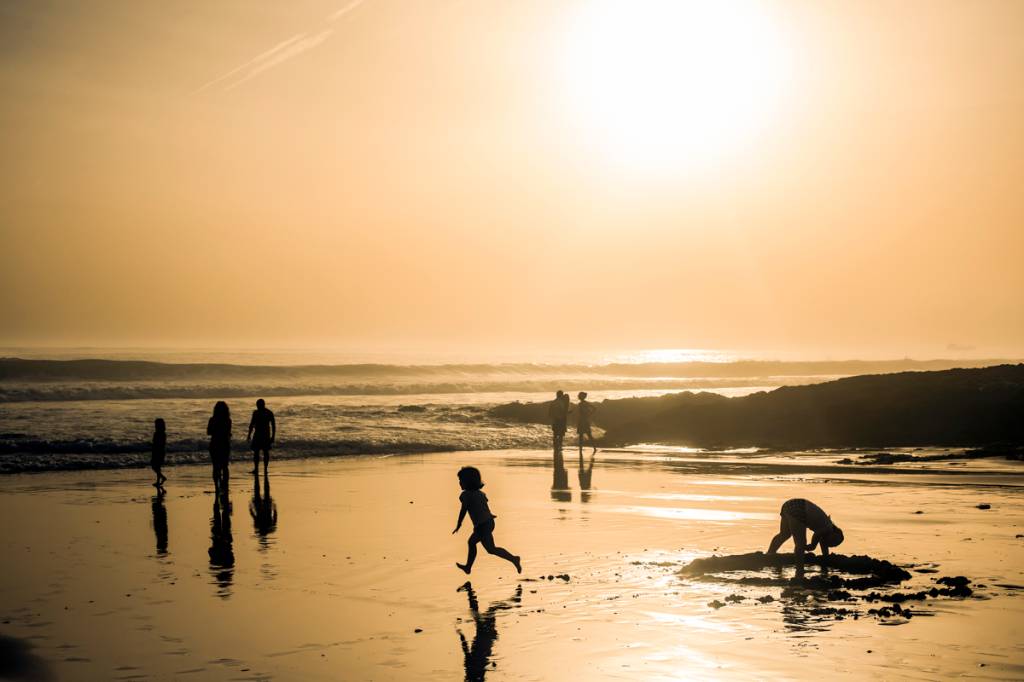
{"x":219,"y":430}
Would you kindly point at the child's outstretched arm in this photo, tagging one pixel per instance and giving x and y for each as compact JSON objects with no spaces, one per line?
{"x":462,"y":515}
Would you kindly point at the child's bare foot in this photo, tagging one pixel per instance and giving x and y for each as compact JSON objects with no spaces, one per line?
{"x":465,"y":569}
{"x":517,"y":562}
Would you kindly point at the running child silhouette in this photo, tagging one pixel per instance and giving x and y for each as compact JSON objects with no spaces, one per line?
{"x":474,"y":502}
{"x":156,"y":460}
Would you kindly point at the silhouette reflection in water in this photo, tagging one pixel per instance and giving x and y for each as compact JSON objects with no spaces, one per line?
{"x":586,"y":476}
{"x":801,"y":610}
{"x":560,"y":480}
{"x":477,"y":657}
{"x":222,"y":557}
{"x":263,"y":510}
{"x":160,"y":522}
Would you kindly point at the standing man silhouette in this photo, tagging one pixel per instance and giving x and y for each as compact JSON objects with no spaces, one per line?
{"x":558,"y":415}
{"x":261,"y":435}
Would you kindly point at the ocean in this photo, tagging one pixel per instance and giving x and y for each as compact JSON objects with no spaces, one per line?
{"x":94,"y":408}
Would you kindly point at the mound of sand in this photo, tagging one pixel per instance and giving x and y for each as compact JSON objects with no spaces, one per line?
{"x":876,"y":572}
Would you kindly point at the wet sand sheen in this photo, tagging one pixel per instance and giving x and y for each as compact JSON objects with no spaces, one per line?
{"x":106,"y":581}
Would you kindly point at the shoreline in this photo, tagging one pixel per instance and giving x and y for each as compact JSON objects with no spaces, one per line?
{"x":725,"y":460}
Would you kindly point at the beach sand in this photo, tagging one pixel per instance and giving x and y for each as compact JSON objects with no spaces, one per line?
{"x":356,"y":579}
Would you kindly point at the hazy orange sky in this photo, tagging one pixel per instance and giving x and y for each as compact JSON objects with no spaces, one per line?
{"x":811,"y":176}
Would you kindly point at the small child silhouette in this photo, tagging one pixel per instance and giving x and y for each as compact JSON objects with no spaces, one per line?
{"x":474,"y":502}
{"x":156,"y":460}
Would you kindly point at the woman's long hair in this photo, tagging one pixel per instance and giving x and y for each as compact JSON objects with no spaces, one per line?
{"x":221,"y":413}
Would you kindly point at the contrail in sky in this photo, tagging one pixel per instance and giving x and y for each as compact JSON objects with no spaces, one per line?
{"x":278,"y":54}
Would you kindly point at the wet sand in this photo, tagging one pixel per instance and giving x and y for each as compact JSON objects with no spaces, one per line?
{"x":355,"y":578}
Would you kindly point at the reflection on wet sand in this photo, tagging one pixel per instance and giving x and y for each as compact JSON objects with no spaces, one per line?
{"x":160,"y":522}
{"x":477,"y":657}
{"x":263,"y":510}
{"x":222,"y":556}
{"x":586,"y":477}
{"x":797,"y":614}
{"x":560,"y":480}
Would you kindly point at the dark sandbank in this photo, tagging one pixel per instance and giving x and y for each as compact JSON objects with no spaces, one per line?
{"x":956,"y":407}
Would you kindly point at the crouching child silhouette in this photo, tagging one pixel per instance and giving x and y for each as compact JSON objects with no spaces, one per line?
{"x":474,"y":502}
{"x":797,"y":516}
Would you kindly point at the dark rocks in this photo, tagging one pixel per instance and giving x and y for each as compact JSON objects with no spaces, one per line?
{"x":766,"y":599}
{"x":560,"y":576}
{"x":837,"y":613}
{"x":839,"y":595}
{"x":886,"y":458}
{"x":984,"y":506}
{"x":716,"y":604}
{"x":956,"y":587}
{"x":735,"y":598}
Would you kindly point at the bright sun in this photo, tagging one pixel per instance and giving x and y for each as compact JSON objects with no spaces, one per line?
{"x":674,"y":84}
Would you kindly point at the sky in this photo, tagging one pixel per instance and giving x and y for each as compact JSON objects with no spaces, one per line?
{"x":806,"y":177}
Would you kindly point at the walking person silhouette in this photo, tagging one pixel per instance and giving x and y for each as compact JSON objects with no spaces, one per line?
{"x":474,"y":502}
{"x":261,"y":435}
{"x":156,"y":460}
{"x":584,"y":415}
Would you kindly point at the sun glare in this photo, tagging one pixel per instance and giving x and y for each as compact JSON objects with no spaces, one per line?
{"x":674,"y":84}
